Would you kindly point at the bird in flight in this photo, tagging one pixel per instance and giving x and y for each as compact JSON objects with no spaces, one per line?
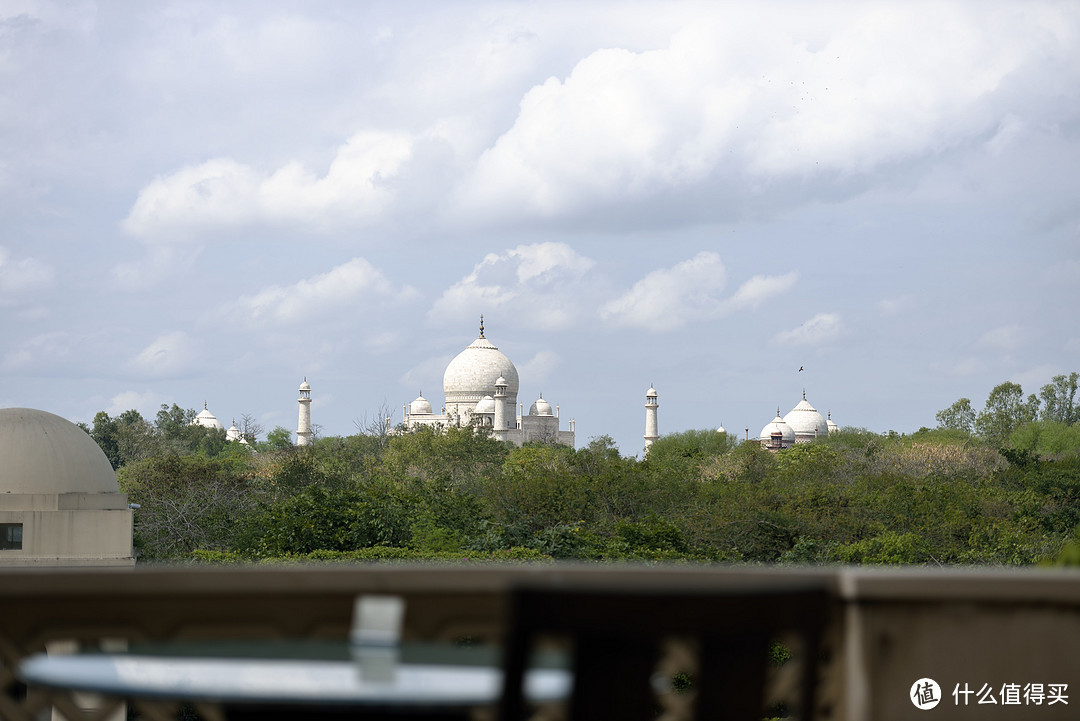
{"x":800,"y":369}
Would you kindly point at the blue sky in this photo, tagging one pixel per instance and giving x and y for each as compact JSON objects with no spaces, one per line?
{"x":209,"y":202}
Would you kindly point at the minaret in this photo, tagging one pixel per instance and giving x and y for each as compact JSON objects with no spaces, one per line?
{"x":500,"y":409}
{"x":651,"y":432}
{"x":303,"y":427}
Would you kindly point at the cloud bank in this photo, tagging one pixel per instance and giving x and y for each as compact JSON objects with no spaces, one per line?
{"x":223,"y":193}
{"x":346,"y":288}
{"x":538,"y":286}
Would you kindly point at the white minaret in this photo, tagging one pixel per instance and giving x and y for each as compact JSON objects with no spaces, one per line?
{"x":651,"y":432}
{"x":500,"y":408}
{"x":303,"y":427}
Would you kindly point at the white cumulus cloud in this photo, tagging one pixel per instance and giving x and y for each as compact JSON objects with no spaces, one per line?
{"x":349,"y":284}
{"x":540,"y":283}
{"x":223,"y":193}
{"x":822,"y":328}
{"x":690,"y":291}
{"x":761,"y":288}
{"x":809,"y":100}
{"x":669,"y":298}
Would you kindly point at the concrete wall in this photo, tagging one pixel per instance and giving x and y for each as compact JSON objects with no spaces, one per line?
{"x":70,"y":529}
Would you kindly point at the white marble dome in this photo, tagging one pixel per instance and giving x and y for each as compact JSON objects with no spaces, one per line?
{"x":420,"y":406}
{"x":206,"y":419}
{"x":44,"y":453}
{"x":486,"y":405}
{"x":474,"y":373}
{"x":806,"y":421}
{"x":540,"y":407}
{"x":778,"y":424}
{"x":833,"y":428}
{"x":233,"y":434}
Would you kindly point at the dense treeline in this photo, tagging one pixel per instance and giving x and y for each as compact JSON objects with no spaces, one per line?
{"x":942,"y":496}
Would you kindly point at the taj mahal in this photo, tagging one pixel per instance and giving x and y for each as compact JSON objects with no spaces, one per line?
{"x":480,"y":387}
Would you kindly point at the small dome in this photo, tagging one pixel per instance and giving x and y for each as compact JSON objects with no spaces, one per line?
{"x":778,"y":424}
{"x":206,"y":419}
{"x":540,"y":407}
{"x":44,"y":453}
{"x":486,"y":405}
{"x":805,"y":420}
{"x":233,"y":434}
{"x":833,"y":428}
{"x":651,"y":393}
{"x":720,"y":429}
{"x":419,"y":407}
{"x":304,"y":386}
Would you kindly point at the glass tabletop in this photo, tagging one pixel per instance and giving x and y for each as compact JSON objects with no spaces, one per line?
{"x":288,"y":672}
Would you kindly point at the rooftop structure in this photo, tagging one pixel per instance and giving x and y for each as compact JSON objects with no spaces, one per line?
{"x":59,"y":501}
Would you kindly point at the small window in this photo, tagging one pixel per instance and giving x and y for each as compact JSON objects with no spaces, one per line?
{"x":10,"y":536}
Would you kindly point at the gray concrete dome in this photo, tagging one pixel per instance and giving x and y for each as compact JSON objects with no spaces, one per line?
{"x":474,"y":373}
{"x":44,"y":453}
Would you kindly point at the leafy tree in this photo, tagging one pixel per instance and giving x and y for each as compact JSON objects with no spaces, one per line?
{"x":446,"y":456}
{"x":1049,"y":439}
{"x":537,"y":490}
{"x":960,"y":416}
{"x":695,"y":445}
{"x":126,"y":438}
{"x":1005,"y":411}
{"x":1059,"y":399}
{"x":331,"y":519}
{"x":173,"y":422}
{"x":136,"y":437}
{"x":178,"y":433}
{"x":104,"y":434}
{"x":187,"y":502}
{"x":279,"y":439}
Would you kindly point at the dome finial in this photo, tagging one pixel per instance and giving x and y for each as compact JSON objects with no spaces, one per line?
{"x":481,"y":325}
{"x":204,"y":405}
{"x":804,"y":394}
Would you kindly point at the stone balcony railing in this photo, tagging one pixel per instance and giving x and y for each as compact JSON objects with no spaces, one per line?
{"x":1000,"y":634}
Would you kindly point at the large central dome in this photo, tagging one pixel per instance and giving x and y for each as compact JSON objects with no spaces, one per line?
{"x":473,"y":373}
{"x":806,"y":421}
